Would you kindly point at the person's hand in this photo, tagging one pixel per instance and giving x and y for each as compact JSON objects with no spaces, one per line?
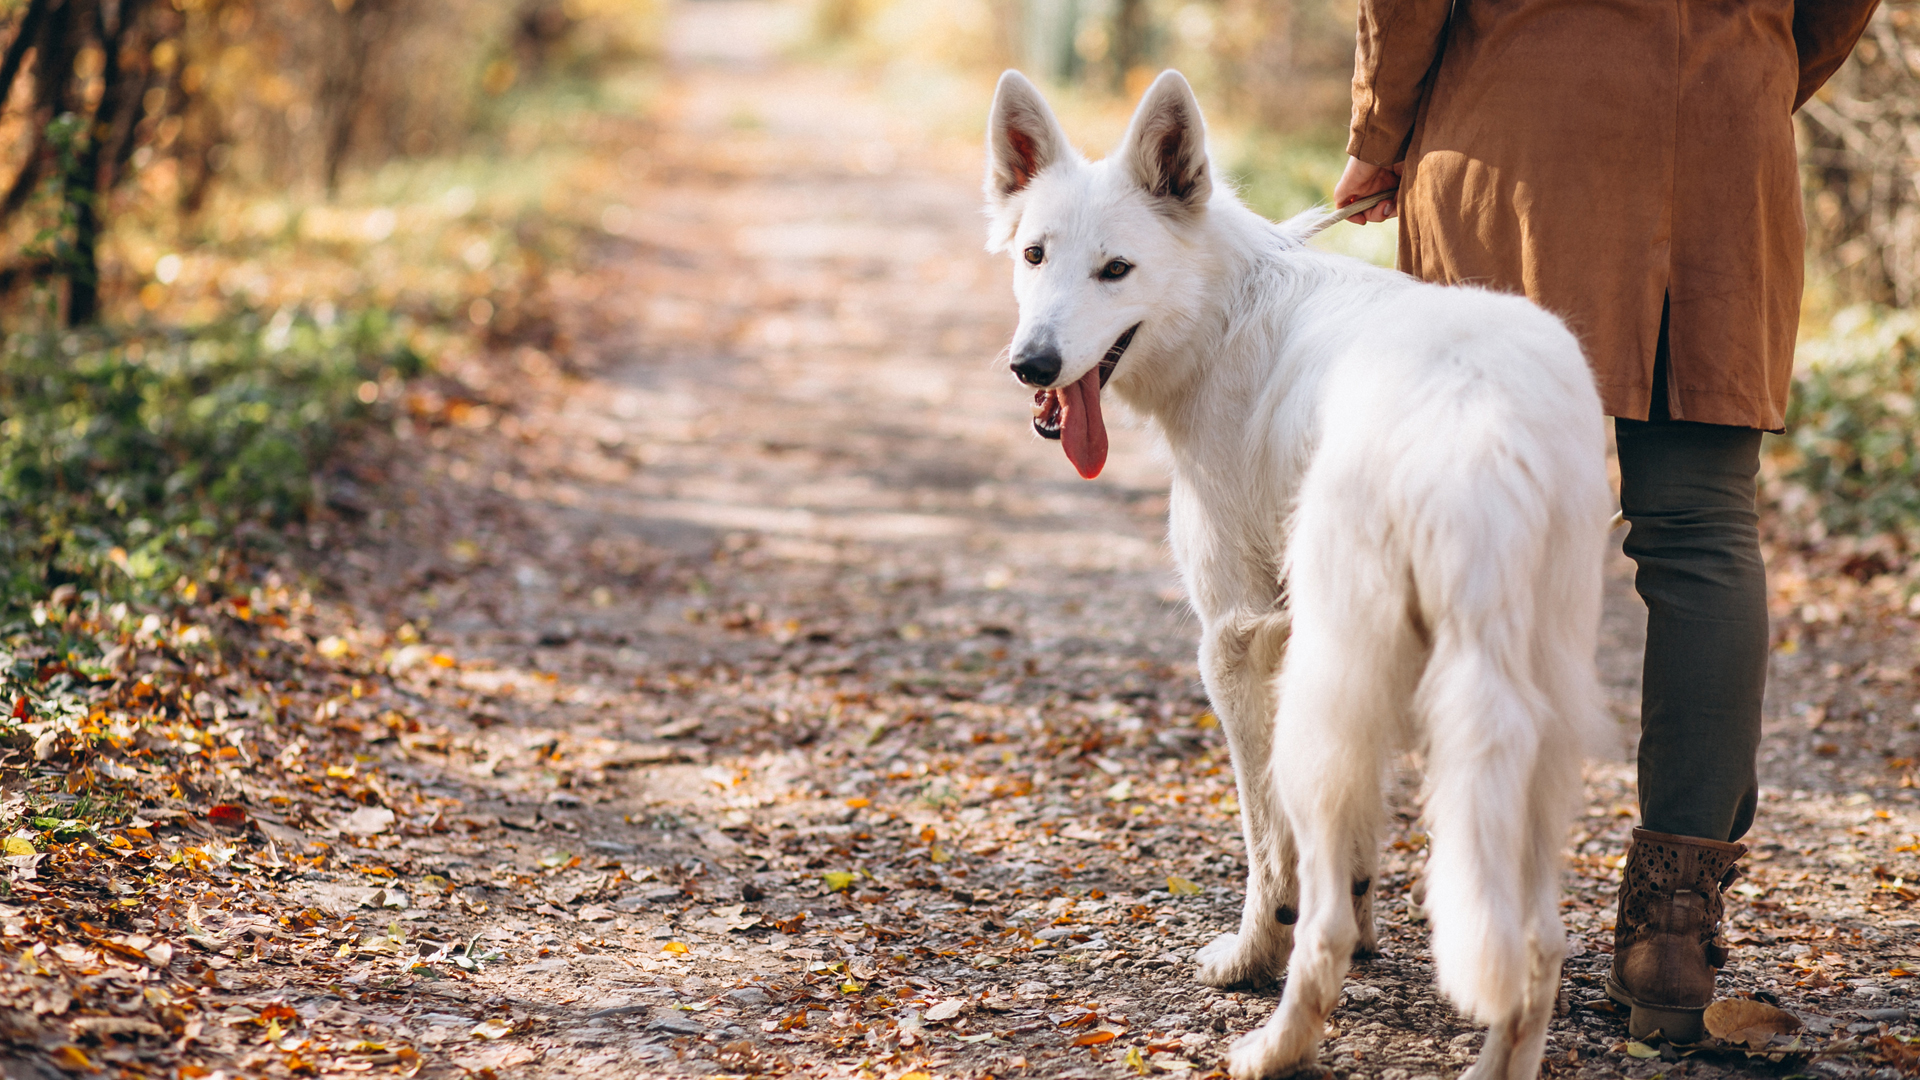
{"x":1361,"y":180}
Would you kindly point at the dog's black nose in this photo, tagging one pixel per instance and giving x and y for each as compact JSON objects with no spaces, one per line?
{"x":1037,"y":365}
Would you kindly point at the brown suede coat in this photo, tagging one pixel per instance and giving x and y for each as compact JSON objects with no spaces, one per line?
{"x":1602,"y":155}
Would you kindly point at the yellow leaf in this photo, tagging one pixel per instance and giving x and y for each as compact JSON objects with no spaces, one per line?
{"x":20,"y":845}
{"x":677,"y":948}
{"x":493,"y":1029}
{"x":859,"y":803}
{"x":1180,"y":886}
{"x":70,"y":1058}
{"x":929,"y":834}
{"x":938,"y":854}
{"x":1206,"y":720}
{"x":837,"y":880}
{"x":1641,"y":1050}
{"x":1135,"y":1061}
{"x":917,"y":1074}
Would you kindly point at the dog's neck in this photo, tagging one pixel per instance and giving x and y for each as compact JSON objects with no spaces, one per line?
{"x":1218,"y":366}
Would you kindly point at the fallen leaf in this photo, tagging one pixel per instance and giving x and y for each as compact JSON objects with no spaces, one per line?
{"x":1094,"y":1038}
{"x":1180,"y":886}
{"x":946,"y":1010}
{"x":493,"y":1029}
{"x":837,"y":880}
{"x":1754,"y":1023}
{"x":19,"y":845}
{"x":1641,"y":1050}
{"x":225,"y":814}
{"x":677,"y":948}
{"x":859,"y":803}
{"x":69,"y":1057}
{"x":1134,"y":1061}
{"x":595,"y":913}
{"x":368,"y":821}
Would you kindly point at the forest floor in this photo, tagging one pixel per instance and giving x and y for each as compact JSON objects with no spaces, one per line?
{"x":735,"y":686}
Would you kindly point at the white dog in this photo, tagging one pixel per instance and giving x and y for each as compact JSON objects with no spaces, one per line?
{"x":1389,"y":507}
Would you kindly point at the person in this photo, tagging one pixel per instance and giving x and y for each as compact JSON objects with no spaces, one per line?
{"x":1630,"y":166}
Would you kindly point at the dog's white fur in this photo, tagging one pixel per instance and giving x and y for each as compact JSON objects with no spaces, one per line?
{"x":1389,"y":507}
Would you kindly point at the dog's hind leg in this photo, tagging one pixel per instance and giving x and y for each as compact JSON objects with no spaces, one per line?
{"x":1336,"y":705}
{"x":1239,"y":659}
{"x":1503,"y":775}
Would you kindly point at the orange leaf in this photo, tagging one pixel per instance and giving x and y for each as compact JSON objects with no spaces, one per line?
{"x":858,"y":803}
{"x":1094,"y":1038}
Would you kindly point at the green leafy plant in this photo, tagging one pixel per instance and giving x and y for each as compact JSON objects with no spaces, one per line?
{"x":126,"y":463}
{"x":1849,"y":463}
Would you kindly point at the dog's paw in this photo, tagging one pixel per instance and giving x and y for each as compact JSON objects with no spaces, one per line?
{"x":1264,"y":1054}
{"x":1367,"y":946}
{"x":1230,"y":960}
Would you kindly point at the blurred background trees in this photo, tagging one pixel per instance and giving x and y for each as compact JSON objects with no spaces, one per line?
{"x":116,"y":105}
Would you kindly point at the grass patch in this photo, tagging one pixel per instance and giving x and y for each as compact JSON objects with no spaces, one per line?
{"x":129,"y":467}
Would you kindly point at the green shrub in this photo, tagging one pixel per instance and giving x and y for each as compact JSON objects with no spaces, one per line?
{"x":125,"y":463}
{"x":1850,"y":459}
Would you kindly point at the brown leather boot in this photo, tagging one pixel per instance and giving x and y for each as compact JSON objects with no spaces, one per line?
{"x":1666,"y":940}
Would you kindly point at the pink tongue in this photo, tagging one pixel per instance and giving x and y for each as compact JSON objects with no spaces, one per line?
{"x":1082,"y":433}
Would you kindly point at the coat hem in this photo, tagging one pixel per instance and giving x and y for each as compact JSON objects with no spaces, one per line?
{"x":1630,"y":402}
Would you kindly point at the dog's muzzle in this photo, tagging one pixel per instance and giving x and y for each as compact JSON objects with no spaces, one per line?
{"x":1046,"y":403}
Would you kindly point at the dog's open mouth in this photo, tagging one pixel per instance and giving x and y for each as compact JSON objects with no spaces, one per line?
{"x":1071,"y":413}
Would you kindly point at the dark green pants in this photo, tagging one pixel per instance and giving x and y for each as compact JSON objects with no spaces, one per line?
{"x":1688,"y":491}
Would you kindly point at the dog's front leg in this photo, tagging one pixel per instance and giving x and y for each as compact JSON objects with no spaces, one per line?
{"x":1238,"y":661}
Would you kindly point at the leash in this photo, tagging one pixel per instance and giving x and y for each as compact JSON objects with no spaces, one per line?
{"x":1357,"y":206}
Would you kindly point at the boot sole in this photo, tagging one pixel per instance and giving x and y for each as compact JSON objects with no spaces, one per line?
{"x":1682,"y":1026}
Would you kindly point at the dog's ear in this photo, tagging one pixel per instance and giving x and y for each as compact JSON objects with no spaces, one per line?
{"x":1022,"y":137}
{"x":1166,"y":145}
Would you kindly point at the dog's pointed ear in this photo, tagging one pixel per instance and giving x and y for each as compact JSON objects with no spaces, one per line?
{"x":1023,"y":137}
{"x":1166,"y":145}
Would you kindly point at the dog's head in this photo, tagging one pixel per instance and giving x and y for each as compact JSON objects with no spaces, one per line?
{"x":1100,"y":249}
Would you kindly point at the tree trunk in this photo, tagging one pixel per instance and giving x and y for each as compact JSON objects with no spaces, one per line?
{"x":83,"y":189}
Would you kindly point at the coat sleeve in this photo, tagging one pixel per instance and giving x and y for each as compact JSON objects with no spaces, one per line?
{"x":1824,"y":32}
{"x":1397,"y":44}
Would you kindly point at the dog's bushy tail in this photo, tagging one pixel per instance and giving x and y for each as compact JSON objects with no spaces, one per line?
{"x":1507,"y":699}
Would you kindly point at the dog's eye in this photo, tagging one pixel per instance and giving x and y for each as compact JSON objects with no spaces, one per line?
{"x":1115,"y":270}
{"x":1035,"y":254}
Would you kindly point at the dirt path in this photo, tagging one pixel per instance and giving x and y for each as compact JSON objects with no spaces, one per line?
{"x":788,"y":706}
